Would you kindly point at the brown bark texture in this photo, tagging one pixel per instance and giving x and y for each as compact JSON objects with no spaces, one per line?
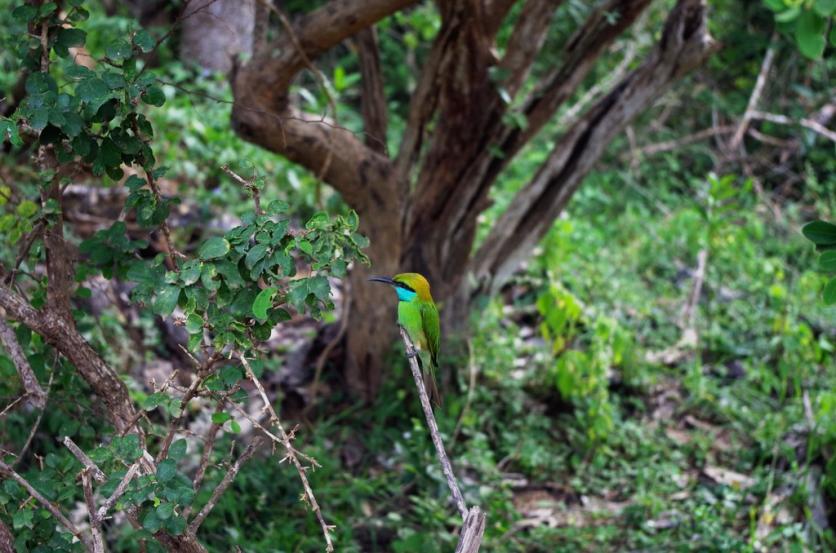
{"x":215,"y":32}
{"x":419,"y":205}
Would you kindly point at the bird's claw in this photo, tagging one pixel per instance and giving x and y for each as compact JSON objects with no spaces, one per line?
{"x":412,"y":354}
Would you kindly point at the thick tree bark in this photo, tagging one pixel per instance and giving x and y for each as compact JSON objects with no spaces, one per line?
{"x":216,"y":31}
{"x":420,"y":209}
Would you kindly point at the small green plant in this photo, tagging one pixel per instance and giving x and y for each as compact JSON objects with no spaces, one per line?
{"x":823,"y":235}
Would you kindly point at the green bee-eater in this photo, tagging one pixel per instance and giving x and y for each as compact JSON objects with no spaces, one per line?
{"x":418,"y":315}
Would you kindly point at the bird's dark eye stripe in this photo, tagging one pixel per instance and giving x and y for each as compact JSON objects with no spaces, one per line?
{"x":404,"y":286}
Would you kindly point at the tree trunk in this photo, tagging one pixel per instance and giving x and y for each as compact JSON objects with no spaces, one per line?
{"x":420,"y":208}
{"x":215,"y":32}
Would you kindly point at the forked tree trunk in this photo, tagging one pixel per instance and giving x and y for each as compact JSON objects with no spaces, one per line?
{"x":420,"y":207}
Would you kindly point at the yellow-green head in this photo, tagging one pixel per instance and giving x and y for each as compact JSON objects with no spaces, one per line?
{"x":408,"y":286}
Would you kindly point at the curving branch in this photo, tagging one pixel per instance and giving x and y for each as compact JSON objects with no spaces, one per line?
{"x":63,"y":335}
{"x":262,"y":103}
{"x":526,"y":40}
{"x":684,"y":45}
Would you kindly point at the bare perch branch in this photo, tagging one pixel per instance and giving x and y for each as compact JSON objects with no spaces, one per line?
{"x":473,"y":527}
{"x":446,"y":467}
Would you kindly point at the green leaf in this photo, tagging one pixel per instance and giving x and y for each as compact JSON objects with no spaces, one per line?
{"x":67,"y":38}
{"x":788,"y":15}
{"x":220,"y":417}
{"x":27,"y":208}
{"x":177,"y":450}
{"x":166,"y":300}
{"x":166,"y":470}
{"x":825,"y":8}
{"x":144,"y":41}
{"x":213,"y":248}
{"x":820,"y":233}
{"x":255,"y":254}
{"x":263,"y":302}
{"x":24,"y":13}
{"x":320,"y":288}
{"x":151,"y":521}
{"x":827,"y":261}
{"x":92,"y":90}
{"x":830,"y":292}
{"x":190,"y":272}
{"x":809,"y":33}
{"x":194,"y":324}
{"x":118,"y":51}
{"x":165,"y":510}
{"x":154,"y":96}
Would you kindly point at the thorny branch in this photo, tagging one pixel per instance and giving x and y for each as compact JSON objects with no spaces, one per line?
{"x":290,"y":453}
{"x":9,"y":472}
{"x":221,"y":488}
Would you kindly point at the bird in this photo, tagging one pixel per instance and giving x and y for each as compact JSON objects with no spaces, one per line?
{"x":418,"y":315}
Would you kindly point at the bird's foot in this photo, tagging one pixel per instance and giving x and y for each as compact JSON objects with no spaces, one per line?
{"x":412,"y":354}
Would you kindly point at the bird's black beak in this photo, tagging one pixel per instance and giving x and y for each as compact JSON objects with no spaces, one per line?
{"x":383,"y":279}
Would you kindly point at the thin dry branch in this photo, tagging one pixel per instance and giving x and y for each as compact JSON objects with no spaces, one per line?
{"x":755,"y":97}
{"x":34,"y":392}
{"x":221,"y":488}
{"x":473,"y":526}
{"x":82,"y":457}
{"x":118,"y":492}
{"x":95,"y":524}
{"x":290,"y":453}
{"x":9,"y":472}
{"x":807,"y":123}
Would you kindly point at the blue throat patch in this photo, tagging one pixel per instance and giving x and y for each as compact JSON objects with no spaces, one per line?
{"x":404,"y":294}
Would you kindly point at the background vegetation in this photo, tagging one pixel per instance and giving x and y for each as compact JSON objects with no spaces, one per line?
{"x":661,"y":374}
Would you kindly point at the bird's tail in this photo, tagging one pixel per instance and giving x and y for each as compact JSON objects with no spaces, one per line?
{"x":430,"y":385}
{"x":428,"y":372}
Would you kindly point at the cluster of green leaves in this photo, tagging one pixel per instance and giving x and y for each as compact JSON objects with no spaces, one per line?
{"x":823,"y":235}
{"x":231,"y":291}
{"x":239,"y":284}
{"x":807,"y":22}
{"x":98,"y":123}
{"x":586,"y":349}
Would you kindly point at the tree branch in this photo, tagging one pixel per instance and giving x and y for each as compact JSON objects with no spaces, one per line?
{"x":755,"y":97}
{"x":47,"y":504}
{"x":261,"y":100}
{"x":526,"y":40}
{"x":580,"y":53}
{"x":290,"y":453}
{"x":8,"y":338}
{"x":63,"y":335}
{"x":473,"y":528}
{"x":86,"y":461}
{"x":685,"y":44}
{"x":372,"y":95}
{"x":224,"y":484}
{"x":495,"y":13}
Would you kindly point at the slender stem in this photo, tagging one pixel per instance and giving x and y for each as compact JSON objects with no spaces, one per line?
{"x":227,"y":480}
{"x":446,"y":467}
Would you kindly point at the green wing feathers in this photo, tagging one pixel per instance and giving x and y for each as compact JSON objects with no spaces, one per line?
{"x":432,"y":333}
